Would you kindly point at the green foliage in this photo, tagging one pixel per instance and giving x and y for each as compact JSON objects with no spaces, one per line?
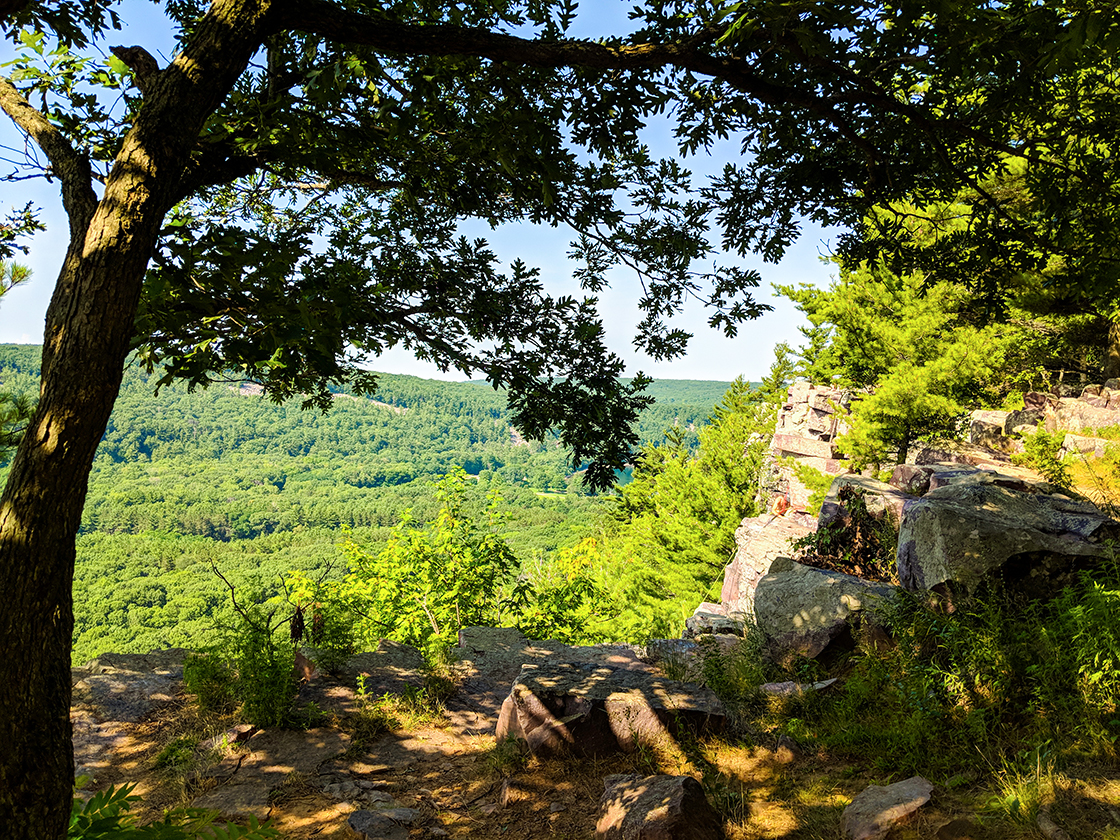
{"x":910,"y":345}
{"x":330,"y":636}
{"x":1042,"y":453}
{"x":253,"y":664}
{"x":856,"y":544}
{"x":211,"y":679}
{"x":674,"y":525}
{"x":996,"y":674}
{"x":178,"y":753}
{"x":565,"y":598}
{"x":736,"y":673}
{"x":105,"y":816}
{"x":425,"y":583}
{"x":263,"y":659}
{"x":818,"y":484}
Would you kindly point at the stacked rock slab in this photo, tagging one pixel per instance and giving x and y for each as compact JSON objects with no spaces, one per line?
{"x":588,"y":709}
{"x":807,"y":426}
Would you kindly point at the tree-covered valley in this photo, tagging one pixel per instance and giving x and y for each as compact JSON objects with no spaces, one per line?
{"x":222,"y":477}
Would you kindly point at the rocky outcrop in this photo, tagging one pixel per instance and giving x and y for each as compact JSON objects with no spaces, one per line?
{"x":271,"y":757}
{"x":128,"y":686}
{"x":807,"y":426}
{"x":489,"y":660}
{"x":656,"y":808}
{"x":884,"y":501}
{"x":759,"y":541}
{"x":960,"y":534}
{"x":802,"y":611}
{"x":875,"y":812}
{"x":987,"y":429}
{"x":1075,"y":445}
{"x":589,"y":709}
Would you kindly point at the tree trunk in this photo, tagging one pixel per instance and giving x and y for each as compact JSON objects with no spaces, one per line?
{"x":88,"y":334}
{"x":1112,"y":351}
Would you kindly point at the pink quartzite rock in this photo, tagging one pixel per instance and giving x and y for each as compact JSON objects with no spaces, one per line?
{"x":656,"y":808}
{"x":985,"y":428}
{"x":1076,"y":415}
{"x":589,"y":709}
{"x":795,"y":445}
{"x":758,"y":541}
{"x":877,"y":810}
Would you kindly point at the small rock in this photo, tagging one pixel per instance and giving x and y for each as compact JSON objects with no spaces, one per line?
{"x":792,"y":689}
{"x":557,"y":807}
{"x":787,"y":750}
{"x":877,"y":810}
{"x":376,"y":825}
{"x":488,"y":808}
{"x":405,"y":816}
{"x":512,"y":793}
{"x":438,"y":832}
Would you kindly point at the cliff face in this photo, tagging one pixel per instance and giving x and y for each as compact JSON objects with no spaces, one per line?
{"x":962,"y":513}
{"x":808,"y":424}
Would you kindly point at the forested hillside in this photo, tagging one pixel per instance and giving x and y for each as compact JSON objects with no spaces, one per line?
{"x":225,"y":476}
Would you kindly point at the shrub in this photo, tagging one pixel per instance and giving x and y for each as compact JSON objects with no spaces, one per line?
{"x":858,"y":544}
{"x":1040,"y":453}
{"x":263,"y":660}
{"x":210,"y":678}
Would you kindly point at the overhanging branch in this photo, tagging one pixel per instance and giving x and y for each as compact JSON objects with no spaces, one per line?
{"x":71,"y":168}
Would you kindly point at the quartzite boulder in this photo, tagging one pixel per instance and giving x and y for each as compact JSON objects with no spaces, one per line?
{"x":802,"y":610}
{"x":986,"y":428}
{"x":1077,"y":415}
{"x":961,"y":534}
{"x":656,"y":808}
{"x":877,"y":810}
{"x":711,"y":619}
{"x":758,"y":541}
{"x":591,"y":709}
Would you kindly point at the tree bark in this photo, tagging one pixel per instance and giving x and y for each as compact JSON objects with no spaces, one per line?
{"x":1112,"y":351}
{"x":88,"y":334}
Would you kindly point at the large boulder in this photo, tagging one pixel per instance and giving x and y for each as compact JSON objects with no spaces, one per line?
{"x":1078,"y":415}
{"x":961,"y":534}
{"x":803,"y":611}
{"x":919,"y":479}
{"x":656,"y":808}
{"x":759,"y":541}
{"x":589,"y":709}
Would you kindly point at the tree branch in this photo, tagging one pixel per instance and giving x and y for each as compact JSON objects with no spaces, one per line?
{"x":73,"y":169}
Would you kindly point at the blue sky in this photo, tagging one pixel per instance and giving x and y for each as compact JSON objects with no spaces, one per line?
{"x":710,"y":356}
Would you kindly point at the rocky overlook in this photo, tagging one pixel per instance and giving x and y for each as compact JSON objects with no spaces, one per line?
{"x":543,"y":739}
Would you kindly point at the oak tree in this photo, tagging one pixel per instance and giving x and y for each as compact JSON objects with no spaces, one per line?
{"x":279,"y":200}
